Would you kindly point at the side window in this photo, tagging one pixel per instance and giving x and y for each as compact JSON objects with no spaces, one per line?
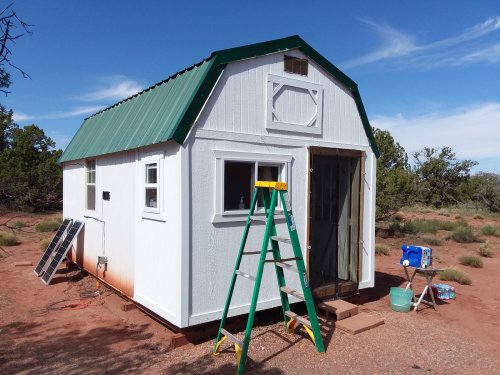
{"x":151,"y":186}
{"x":90,"y":167}
{"x":238,"y":182}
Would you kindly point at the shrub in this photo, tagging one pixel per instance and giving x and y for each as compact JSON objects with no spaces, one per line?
{"x":464,"y":234}
{"x":431,"y":240}
{"x":382,"y":250}
{"x":20,"y":224}
{"x":471,"y":261}
{"x":452,"y":274}
{"x":44,"y":243}
{"x":8,"y":239}
{"x":479,"y":217}
{"x":485,"y":251}
{"x":489,"y":230}
{"x":421,"y":226}
{"x":47,"y":226}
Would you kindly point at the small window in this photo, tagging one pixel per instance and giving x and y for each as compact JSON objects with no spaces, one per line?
{"x":238,"y":185}
{"x":151,"y":186}
{"x":296,"y":65}
{"x":91,"y":184}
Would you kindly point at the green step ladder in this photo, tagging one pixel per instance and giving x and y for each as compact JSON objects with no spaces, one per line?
{"x":279,"y":191}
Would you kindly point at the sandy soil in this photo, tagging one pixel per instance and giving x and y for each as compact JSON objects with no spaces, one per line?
{"x":57,"y":330}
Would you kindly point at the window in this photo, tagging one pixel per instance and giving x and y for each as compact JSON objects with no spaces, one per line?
{"x":91,"y":183}
{"x":151,"y":186}
{"x":295,"y":65}
{"x":236,"y":173}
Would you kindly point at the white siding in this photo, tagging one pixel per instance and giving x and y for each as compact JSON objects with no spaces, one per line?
{"x":238,"y":103}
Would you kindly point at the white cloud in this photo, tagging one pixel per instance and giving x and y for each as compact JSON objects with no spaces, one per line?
{"x":472,"y":132}
{"x":21,"y":117}
{"x":117,"y":89}
{"x":78,"y":111}
{"x":461,"y":49}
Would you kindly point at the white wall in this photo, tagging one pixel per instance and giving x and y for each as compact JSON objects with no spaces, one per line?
{"x":158,"y":241}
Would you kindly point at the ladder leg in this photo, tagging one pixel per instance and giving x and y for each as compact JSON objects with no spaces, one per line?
{"x":256,"y":288}
{"x":219,"y":338}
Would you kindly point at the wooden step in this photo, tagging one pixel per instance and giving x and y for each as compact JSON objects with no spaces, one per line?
{"x":298,"y":318}
{"x":245,"y":275}
{"x":340,"y":308}
{"x":359,"y":323}
{"x":293,"y":293}
{"x":232,"y":338}
{"x":281,"y":239}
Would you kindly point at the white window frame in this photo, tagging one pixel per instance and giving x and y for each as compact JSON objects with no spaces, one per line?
{"x":148,"y":185}
{"x":152,"y":213}
{"x":315,"y":125}
{"x":92,"y":211}
{"x":283,"y":161}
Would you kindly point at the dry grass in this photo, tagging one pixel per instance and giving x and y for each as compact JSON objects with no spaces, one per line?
{"x":44,"y":243}
{"x":47,"y":226}
{"x":431,"y":240}
{"x":8,"y":239}
{"x":471,"y":261}
{"x":464,"y":234}
{"x":453,"y":274}
{"x":485,"y":251}
{"x":382,"y":250}
{"x":490,"y":230}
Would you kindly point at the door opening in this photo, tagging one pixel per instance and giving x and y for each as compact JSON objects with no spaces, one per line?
{"x":334,"y":221}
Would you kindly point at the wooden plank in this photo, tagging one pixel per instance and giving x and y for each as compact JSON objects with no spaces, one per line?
{"x":245,"y":275}
{"x":293,"y":293}
{"x":359,"y":323}
{"x":232,"y":338}
{"x":281,"y":239}
{"x":298,"y":318}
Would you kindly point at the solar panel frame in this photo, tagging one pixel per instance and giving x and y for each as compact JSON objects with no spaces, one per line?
{"x":61,"y":252}
{"x":54,"y":244}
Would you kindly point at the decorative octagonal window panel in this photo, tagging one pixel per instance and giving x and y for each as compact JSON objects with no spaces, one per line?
{"x":293,"y":105}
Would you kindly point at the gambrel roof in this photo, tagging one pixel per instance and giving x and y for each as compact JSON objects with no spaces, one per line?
{"x":167,"y":110}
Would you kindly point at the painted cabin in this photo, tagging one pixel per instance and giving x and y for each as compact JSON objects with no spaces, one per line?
{"x":163,"y":180}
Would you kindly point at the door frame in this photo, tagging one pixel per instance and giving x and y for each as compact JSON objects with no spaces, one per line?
{"x":342,"y":289}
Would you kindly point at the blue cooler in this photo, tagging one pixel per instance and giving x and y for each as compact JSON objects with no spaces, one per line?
{"x":416,"y":256}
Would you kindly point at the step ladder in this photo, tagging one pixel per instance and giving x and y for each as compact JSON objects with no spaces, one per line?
{"x":291,"y":319}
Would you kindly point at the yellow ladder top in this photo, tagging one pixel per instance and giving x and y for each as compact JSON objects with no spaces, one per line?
{"x":272,"y":184}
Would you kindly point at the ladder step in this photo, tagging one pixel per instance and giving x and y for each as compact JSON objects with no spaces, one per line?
{"x":293,"y":293}
{"x":258,"y":218}
{"x":281,"y":239}
{"x":246,"y":275}
{"x":286,"y":266}
{"x":298,"y":318}
{"x":232,"y":338}
{"x":254,"y":252}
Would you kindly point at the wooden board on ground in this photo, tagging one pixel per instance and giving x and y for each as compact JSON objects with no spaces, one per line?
{"x":340,"y":308}
{"x":359,"y":323}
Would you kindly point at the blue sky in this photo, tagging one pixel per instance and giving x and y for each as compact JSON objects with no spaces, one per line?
{"x":428,"y":71}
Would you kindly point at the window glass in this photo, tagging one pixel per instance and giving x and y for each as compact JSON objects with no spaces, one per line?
{"x":151,"y":186}
{"x":267,"y":173}
{"x":91,"y":181}
{"x":238,"y":185}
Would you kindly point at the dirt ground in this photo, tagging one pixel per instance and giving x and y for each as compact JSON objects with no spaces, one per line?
{"x":63,"y":328}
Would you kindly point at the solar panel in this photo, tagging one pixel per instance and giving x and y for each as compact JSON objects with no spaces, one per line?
{"x":61,"y":251}
{"x":52,"y":246}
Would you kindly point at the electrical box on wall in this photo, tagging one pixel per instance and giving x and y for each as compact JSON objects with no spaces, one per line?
{"x":106,"y":195}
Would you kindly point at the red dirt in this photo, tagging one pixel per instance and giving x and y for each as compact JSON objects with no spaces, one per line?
{"x":52,"y":329}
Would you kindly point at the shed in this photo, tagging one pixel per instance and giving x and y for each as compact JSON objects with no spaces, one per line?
{"x":163,"y":180}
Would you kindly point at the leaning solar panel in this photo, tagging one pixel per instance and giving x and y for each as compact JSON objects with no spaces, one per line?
{"x":61,"y":251}
{"x":52,"y":246}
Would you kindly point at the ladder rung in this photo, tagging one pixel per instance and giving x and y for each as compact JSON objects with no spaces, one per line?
{"x":284,"y":265}
{"x":293,"y":293}
{"x":281,"y":239}
{"x":258,"y":218}
{"x":246,"y":275}
{"x":231,"y":337}
{"x":255,"y":252}
{"x":298,"y":318}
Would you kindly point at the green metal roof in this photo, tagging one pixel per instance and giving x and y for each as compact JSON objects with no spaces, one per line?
{"x":167,"y":110}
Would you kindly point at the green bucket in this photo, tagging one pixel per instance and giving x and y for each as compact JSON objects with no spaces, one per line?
{"x":401,"y":299}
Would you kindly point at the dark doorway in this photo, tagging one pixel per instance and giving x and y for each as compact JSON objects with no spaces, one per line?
{"x":334,"y":221}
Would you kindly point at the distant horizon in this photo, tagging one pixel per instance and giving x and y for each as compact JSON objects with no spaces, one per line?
{"x":430,"y":83}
